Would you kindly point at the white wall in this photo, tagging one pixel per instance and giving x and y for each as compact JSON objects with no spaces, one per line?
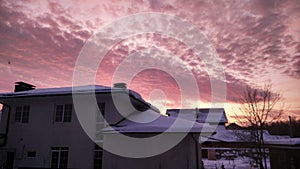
{"x":41,"y":133}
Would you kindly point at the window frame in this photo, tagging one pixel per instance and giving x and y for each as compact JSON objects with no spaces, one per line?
{"x":60,"y":151}
{"x":32,"y":155}
{"x":65,"y":114}
{"x":98,"y":155}
{"x":22,"y":113}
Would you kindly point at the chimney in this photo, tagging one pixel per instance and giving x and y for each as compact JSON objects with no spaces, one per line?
{"x":197,"y":113}
{"x":22,"y":86}
{"x":120,"y":85}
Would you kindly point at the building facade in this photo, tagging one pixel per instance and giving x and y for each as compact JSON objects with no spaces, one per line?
{"x":40,"y":129}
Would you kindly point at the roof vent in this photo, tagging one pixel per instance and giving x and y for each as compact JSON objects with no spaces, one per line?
{"x":22,"y":86}
{"x":120,"y":85}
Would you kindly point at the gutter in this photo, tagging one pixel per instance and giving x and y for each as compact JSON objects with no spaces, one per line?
{"x":7,"y":125}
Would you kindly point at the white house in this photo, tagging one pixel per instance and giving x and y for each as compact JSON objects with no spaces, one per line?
{"x":41,"y":128}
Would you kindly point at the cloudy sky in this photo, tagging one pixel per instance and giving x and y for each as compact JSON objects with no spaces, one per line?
{"x":256,"y":41}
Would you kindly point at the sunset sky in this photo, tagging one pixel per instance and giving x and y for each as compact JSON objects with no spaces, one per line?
{"x":256,"y":40}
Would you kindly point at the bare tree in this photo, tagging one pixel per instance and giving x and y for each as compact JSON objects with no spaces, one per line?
{"x":257,"y":106}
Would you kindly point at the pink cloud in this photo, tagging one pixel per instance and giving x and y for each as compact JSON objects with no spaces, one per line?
{"x":40,"y":41}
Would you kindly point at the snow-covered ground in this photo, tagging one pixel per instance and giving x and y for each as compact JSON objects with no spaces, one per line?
{"x":237,"y":163}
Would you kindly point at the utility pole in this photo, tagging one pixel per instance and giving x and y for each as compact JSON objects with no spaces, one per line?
{"x":291,"y":127}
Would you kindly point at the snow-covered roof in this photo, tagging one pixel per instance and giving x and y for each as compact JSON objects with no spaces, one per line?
{"x":67,"y":91}
{"x":225,"y":135}
{"x":284,"y":141}
{"x":152,"y":122}
{"x":204,"y":115}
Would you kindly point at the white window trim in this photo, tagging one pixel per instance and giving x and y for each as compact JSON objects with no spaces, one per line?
{"x":59,"y":155}
{"x":22,"y":113}
{"x":63,"y":113}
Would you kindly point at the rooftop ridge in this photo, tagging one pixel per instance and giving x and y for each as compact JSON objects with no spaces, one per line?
{"x":66,"y":91}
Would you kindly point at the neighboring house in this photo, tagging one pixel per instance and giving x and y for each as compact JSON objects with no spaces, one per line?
{"x":284,"y":153}
{"x":214,"y":117}
{"x":40,"y":129}
{"x":234,"y":126}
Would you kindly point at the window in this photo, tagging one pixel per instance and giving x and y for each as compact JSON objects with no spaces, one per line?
{"x":59,"y":157}
{"x":31,"y":154}
{"x":98,"y":152}
{"x":22,"y":114}
{"x":63,"y":113}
